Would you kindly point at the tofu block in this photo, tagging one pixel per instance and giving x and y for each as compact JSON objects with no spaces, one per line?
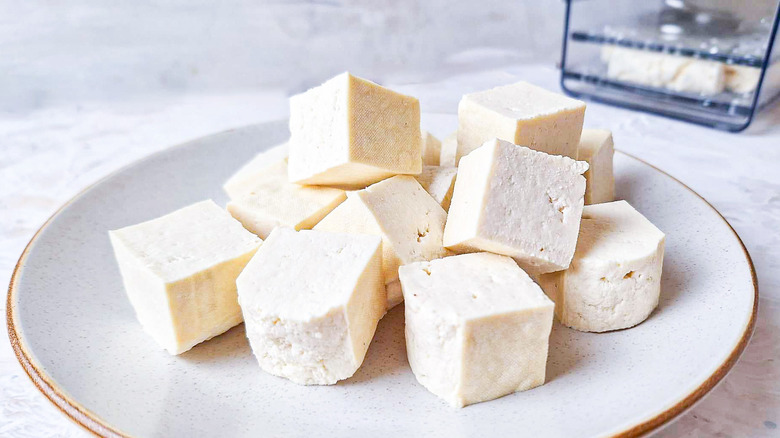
{"x":311,"y":303}
{"x":597,"y":149}
{"x":409,"y":221}
{"x":477,"y":327}
{"x":742,"y":78}
{"x":518,"y":202}
{"x":614,"y":280}
{"x":431,"y":149}
{"x":274,"y":201}
{"x":247,"y":176}
{"x":439,"y":181}
{"x":395,"y":295}
{"x":522,"y":114}
{"x":179,"y":272}
{"x":678,"y":73}
{"x":449,"y":150}
{"x":351,"y":132}
{"x":701,"y":77}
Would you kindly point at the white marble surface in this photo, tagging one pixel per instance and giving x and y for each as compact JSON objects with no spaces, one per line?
{"x":50,"y":153}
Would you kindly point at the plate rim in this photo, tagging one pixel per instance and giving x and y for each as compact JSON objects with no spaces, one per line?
{"x":92,"y":423}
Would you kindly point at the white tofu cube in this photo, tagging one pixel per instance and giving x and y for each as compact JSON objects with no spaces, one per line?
{"x":431,"y":149}
{"x":477,"y":327}
{"x":523,"y":114}
{"x":449,"y":150}
{"x":679,"y":73}
{"x":351,"y":132}
{"x":179,"y":272}
{"x":518,"y":202}
{"x":399,"y":210}
{"x":273,"y":201}
{"x":245,"y":178}
{"x":439,"y":181}
{"x":614,"y":280}
{"x":597,"y":149}
{"x":311,"y":303}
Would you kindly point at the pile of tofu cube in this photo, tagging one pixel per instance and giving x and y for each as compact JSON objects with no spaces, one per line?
{"x":485,"y":236}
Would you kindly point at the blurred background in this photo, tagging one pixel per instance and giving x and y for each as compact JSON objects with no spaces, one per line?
{"x":88,"y":86}
{"x":80,"y":50}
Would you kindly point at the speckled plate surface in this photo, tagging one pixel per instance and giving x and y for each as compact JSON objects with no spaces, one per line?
{"x":76,"y":335}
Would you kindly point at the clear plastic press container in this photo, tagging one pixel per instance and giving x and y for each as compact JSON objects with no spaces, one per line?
{"x":711,"y":62}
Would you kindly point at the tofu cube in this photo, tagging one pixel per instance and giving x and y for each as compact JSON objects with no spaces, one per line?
{"x":614,"y":280}
{"x":679,"y":73}
{"x":246,"y":177}
{"x":699,"y":76}
{"x":409,"y":221}
{"x":522,"y":114}
{"x":518,"y":202}
{"x":431,"y":149}
{"x":273,"y":201}
{"x":311,"y":303}
{"x":449,"y":150}
{"x":439,"y":181}
{"x":597,"y":149}
{"x":179,"y":272}
{"x":477,"y":327}
{"x":351,"y":132}
{"x":741,"y":78}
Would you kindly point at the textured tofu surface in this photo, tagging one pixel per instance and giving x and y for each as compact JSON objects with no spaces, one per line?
{"x":187,"y":241}
{"x":477,"y":327}
{"x":597,"y":149}
{"x":311,"y":301}
{"x":179,"y":273}
{"x":439,"y":182}
{"x":518,"y":202}
{"x":351,"y":132}
{"x":273,"y":201}
{"x":614,"y":280}
{"x":449,"y":150}
{"x":254,"y":170}
{"x":522,"y":114}
{"x":398,"y":209}
{"x":431,"y":149}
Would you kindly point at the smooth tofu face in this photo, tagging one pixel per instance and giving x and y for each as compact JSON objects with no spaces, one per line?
{"x":350,"y":132}
{"x":254,"y":171}
{"x":614,"y":280}
{"x":477,"y":327}
{"x":597,"y":149}
{"x":431,"y":149}
{"x":274,"y":201}
{"x":518,"y":202}
{"x":522,"y":114}
{"x":399,"y":210}
{"x":311,"y":302}
{"x":439,"y":182}
{"x":449,"y":150}
{"x":179,"y":272}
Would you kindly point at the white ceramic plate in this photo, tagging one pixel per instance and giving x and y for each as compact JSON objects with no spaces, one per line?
{"x":76,"y":335}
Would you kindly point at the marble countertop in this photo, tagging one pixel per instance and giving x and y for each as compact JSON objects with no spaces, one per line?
{"x":49,"y":155}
